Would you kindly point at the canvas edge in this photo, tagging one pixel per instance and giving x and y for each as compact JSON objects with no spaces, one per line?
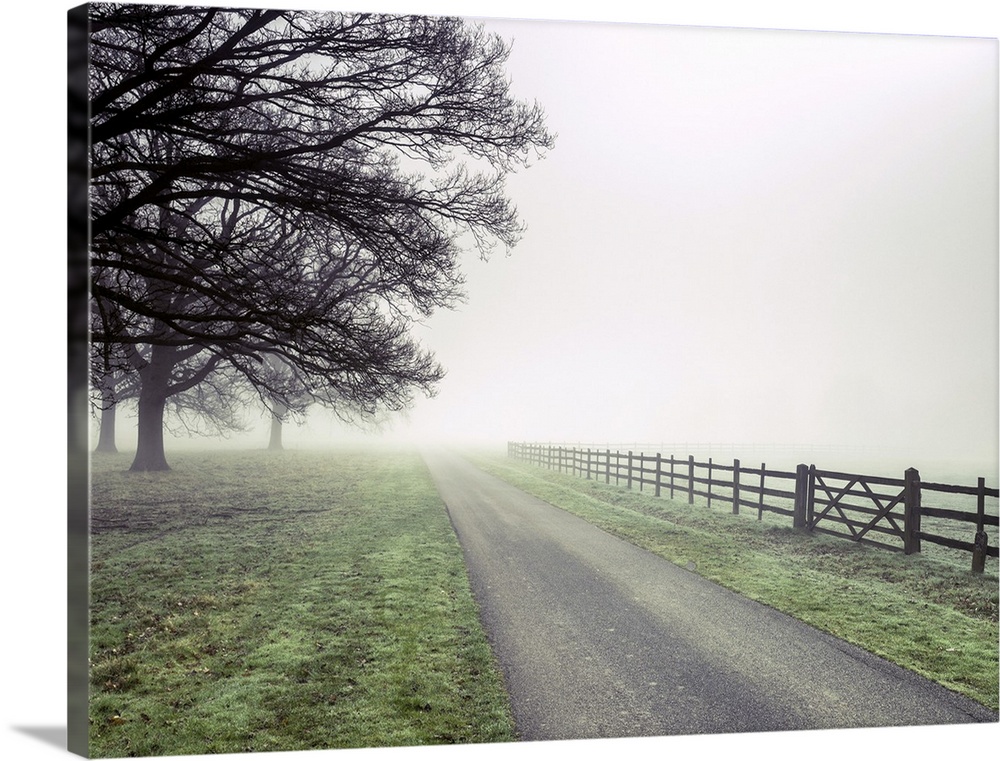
{"x":78,"y":481}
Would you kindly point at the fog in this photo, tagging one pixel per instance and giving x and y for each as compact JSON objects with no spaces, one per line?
{"x":741,"y":236}
{"x":763,"y":240}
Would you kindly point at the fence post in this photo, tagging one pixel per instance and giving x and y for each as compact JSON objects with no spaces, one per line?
{"x":801,"y":495}
{"x":690,"y":479}
{"x":811,"y":495}
{"x":709,"y":485}
{"x":588,"y":463}
{"x":760,"y":497}
{"x":911,"y":511}
{"x":979,"y":547}
{"x":630,"y":469}
{"x":671,"y":476}
{"x":607,"y":466}
{"x":736,"y":487}
{"x":659,"y":471}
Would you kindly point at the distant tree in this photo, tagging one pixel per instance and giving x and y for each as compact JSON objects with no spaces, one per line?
{"x":107,"y":440}
{"x":112,"y":381}
{"x":292,"y":184}
{"x":279,"y":411}
{"x":107,"y":396}
{"x":214,"y":407}
{"x":277,"y":422}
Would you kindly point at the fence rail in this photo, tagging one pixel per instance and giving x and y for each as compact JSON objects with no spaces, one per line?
{"x":885,"y":512}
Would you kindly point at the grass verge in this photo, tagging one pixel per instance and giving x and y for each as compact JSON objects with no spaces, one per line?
{"x":282,"y":601}
{"x":932,"y":617}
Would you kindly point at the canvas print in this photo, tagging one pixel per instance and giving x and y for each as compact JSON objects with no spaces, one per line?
{"x":441,"y":380}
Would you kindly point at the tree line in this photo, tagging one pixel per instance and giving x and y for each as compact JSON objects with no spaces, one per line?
{"x":276,"y":196}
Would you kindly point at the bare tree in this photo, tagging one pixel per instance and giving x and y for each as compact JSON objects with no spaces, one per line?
{"x":214,"y":407}
{"x":197,"y":399}
{"x":278,"y":409}
{"x":107,"y":395}
{"x":113,"y":380}
{"x":292,"y":184}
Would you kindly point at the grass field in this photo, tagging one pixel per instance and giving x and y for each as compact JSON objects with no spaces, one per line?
{"x":929,"y":615}
{"x":257,"y":601}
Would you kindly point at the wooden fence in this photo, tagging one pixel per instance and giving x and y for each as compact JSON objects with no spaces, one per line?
{"x":892,"y":513}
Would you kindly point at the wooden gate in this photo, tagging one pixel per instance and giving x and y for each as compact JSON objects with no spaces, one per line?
{"x":847,"y":505}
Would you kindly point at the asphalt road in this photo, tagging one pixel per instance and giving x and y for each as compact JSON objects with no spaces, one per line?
{"x":598,"y":638}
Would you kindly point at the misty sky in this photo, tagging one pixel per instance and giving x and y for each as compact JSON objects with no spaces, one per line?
{"x":740,"y":236}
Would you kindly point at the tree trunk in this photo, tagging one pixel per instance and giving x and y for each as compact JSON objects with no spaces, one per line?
{"x":109,"y":408}
{"x":276,"y":414}
{"x":106,"y":438}
{"x":154,"y":379}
